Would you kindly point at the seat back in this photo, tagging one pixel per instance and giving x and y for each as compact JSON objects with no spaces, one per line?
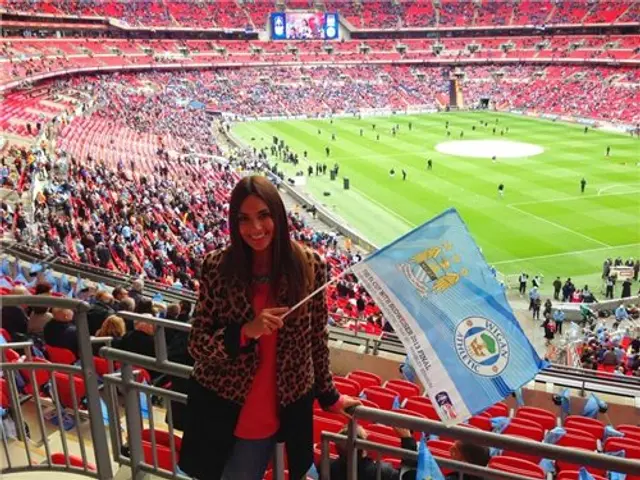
{"x":482,"y":421}
{"x":591,"y":425}
{"x":582,"y":440}
{"x":42,"y":377}
{"x":321,"y":424}
{"x":63,"y":384}
{"x":404,"y":388}
{"x":364,"y":380}
{"x":5,"y":396}
{"x":517,"y":466}
{"x":382,"y":430}
{"x":75,"y":461}
{"x":575,"y":475}
{"x":423,"y":406}
{"x":631,"y":447}
{"x":542,"y":417}
{"x":346,"y":388}
{"x":60,"y":355}
{"x":383,"y":397}
{"x":533,"y":432}
{"x":350,"y":381}
{"x":500,"y":409}
{"x":630,"y":431}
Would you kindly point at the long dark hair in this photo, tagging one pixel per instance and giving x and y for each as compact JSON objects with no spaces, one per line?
{"x":287,"y":257}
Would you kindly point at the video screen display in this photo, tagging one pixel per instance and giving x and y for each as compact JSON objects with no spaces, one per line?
{"x":304,"y":26}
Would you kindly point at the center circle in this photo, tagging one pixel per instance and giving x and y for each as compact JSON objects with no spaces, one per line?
{"x":489,"y":148}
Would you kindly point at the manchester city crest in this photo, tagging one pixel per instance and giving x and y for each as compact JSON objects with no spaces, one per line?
{"x":482,"y":346}
{"x":434,"y":270}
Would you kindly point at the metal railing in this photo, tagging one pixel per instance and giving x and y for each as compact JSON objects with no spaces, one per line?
{"x":86,"y":371}
{"x":144,"y":456}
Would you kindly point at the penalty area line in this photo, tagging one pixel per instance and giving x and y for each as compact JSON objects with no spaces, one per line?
{"x":554,"y":255}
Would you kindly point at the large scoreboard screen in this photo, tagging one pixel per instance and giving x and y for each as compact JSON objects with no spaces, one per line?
{"x":304,"y":26}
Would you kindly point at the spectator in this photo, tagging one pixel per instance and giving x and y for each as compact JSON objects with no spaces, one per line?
{"x":99,"y":311}
{"x":118,"y":294}
{"x":140,"y":341}
{"x":626,"y":288}
{"x":185,"y":311}
{"x":61,"y":331}
{"x":557,"y":286}
{"x":39,"y":316}
{"x":558,"y":317}
{"x":610,"y":357}
{"x":470,"y":453}
{"x":137,"y":286}
{"x":113,"y":327}
{"x":549,"y":329}
{"x":367,"y":467}
{"x":225,"y":428}
{"x":14,"y":319}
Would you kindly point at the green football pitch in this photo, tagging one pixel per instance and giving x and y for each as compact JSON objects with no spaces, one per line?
{"x":542,"y":223}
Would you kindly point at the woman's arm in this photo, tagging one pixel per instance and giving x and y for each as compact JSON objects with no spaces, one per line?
{"x":209,"y":341}
{"x":325,"y":389}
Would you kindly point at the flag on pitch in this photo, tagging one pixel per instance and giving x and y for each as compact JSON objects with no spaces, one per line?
{"x":435,"y":287}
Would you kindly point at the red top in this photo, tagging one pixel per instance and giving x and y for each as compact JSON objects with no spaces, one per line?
{"x":259,"y":414}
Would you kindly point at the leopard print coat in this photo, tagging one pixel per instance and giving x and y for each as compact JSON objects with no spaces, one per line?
{"x":223,"y":366}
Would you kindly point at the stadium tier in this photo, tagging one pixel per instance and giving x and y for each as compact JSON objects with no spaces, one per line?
{"x":124,"y":128}
{"x":367,"y":14}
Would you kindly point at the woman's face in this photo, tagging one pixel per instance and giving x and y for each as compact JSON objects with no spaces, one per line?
{"x":255,"y":223}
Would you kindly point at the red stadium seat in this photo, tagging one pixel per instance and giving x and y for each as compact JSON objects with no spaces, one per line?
{"x":542,"y":417}
{"x":498,"y":410}
{"x":516,"y":466}
{"x":349,"y":381}
{"x":5,"y":335}
{"x":346,"y":388}
{"x":336,"y":417}
{"x":591,"y":425}
{"x":163,"y":448}
{"x":365,"y":379}
{"x":11,"y":355}
{"x":631,"y":447}
{"x":5,"y":396}
{"x":317,"y":452}
{"x":575,"y":475}
{"x":482,"y":421}
{"x":441,"y":449}
{"x":321,"y":424}
{"x":75,"y":461}
{"x":421,"y":405}
{"x":384,"y":397}
{"x":65,"y":393}
{"x":631,"y":431}
{"x":60,"y":355}
{"x":42,"y":377}
{"x":382,"y":430}
{"x":393,"y":441}
{"x":525,"y":428}
{"x":404,"y":388}
{"x":578,"y":439}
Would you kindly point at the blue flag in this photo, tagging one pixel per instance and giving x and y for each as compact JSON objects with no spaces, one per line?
{"x":583,"y":474}
{"x":396,"y":403}
{"x":4,"y":283}
{"x":20,"y":278}
{"x":157,"y":298}
{"x":80,"y":285}
{"x":407,"y":370}
{"x":610,"y":432}
{"x":565,"y":404}
{"x":35,"y":268}
{"x":64,"y":284}
{"x":500,"y":424}
{"x":105,"y":412}
{"x":427,"y":466}
{"x":616,"y":475}
{"x":519,"y":397}
{"x":451,"y":314}
{"x":144,"y":404}
{"x":5,"y":267}
{"x":593,"y":406}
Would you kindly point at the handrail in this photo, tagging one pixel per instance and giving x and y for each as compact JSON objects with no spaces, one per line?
{"x":606,"y":462}
{"x":482,"y":472}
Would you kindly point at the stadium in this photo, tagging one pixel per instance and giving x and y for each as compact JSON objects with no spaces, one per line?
{"x":126,"y":128}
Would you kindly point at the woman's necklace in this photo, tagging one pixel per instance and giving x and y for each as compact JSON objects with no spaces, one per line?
{"x":261,"y":278}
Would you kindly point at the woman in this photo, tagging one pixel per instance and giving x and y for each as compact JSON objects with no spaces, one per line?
{"x":257,"y":372}
{"x":113,"y":327}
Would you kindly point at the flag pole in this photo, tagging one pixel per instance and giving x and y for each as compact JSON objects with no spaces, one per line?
{"x":315,"y":292}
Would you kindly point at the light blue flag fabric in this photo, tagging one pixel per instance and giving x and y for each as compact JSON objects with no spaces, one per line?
{"x":51,"y":279}
{"x":519,"y":397}
{"x":499,"y":424}
{"x":552,"y":437}
{"x":35,"y":268}
{"x":616,"y":475}
{"x":80,"y":285}
{"x":396,"y":403}
{"x":427,"y":466}
{"x":4,"y":283}
{"x":407,"y":370}
{"x":565,"y":404}
{"x":101,"y":287}
{"x":144,"y":404}
{"x":547,"y":465}
{"x":105,"y":412}
{"x":64,"y":284}
{"x":583,"y":474}
{"x":20,"y":278}
{"x":610,"y":432}
{"x":157,"y":298}
{"x":593,"y":406}
{"x":466,"y":346}
{"x":5,"y":267}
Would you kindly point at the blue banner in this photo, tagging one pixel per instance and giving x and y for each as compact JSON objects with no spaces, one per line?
{"x":278,"y":26}
{"x":451,"y":314}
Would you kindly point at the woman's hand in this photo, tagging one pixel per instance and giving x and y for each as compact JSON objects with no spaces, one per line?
{"x":344,"y":405}
{"x":268,"y":321}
